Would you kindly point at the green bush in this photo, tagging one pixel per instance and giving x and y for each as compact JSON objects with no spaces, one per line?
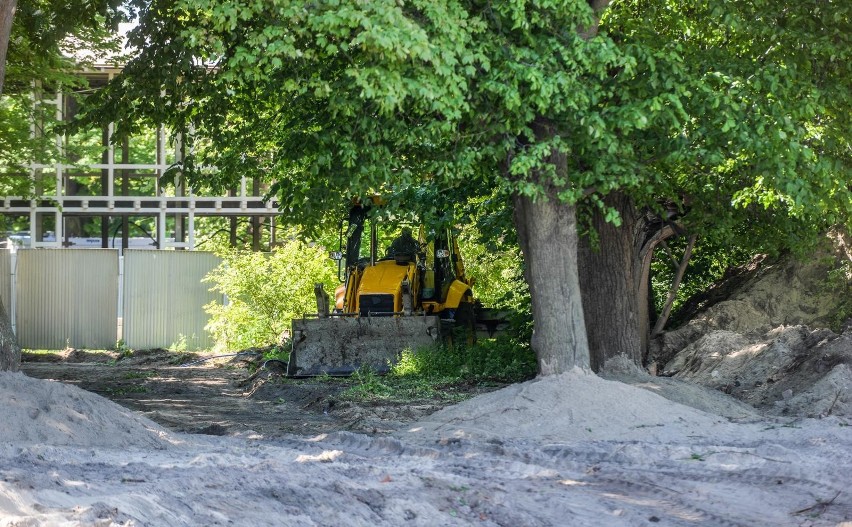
{"x":265,"y":291}
{"x":435,"y":373}
{"x":502,"y":359}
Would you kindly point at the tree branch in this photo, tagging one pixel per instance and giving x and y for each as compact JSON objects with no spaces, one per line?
{"x":7,"y":16}
{"x":587,"y":33}
{"x":667,"y":309}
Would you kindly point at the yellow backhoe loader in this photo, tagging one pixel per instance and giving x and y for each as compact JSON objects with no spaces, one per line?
{"x":407,"y":293}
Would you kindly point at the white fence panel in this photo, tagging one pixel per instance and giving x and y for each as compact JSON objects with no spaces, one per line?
{"x":67,"y":297}
{"x":164,"y":298}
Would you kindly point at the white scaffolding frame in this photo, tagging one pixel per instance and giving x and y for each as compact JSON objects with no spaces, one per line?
{"x":185,"y":204}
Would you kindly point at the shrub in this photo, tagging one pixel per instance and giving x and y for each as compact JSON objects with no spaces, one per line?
{"x":265,"y":291}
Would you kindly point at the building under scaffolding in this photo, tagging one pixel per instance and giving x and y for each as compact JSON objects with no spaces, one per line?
{"x":113,"y":196}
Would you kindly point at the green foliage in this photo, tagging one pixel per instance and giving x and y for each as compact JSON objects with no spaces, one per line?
{"x":368,"y":385}
{"x":180,"y":345}
{"x":265,"y":292}
{"x":280,"y":353}
{"x":839,"y":279}
{"x":49,"y":41}
{"x":348,"y":99}
{"x":756,"y":146}
{"x":51,"y":37}
{"x":726,"y":103}
{"x":499,"y":359}
{"x":122,"y":349}
{"x":17,"y":146}
{"x":496,"y":267}
{"x":121,"y":391}
{"x":707,"y":266}
{"x":434,"y":372}
{"x":494,"y":260}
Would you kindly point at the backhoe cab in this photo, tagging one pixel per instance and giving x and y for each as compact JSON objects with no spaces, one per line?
{"x":402,"y":287}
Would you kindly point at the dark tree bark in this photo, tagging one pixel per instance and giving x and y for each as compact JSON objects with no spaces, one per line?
{"x":547,"y":231}
{"x":611,"y":285}
{"x":10,"y":353}
{"x":614,"y":274}
{"x":7,"y":16}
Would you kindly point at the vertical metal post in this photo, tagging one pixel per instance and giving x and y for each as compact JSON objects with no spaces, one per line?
{"x":120,"y":310}
{"x":60,"y":228}
{"x":125,"y":191}
{"x":35,"y":228}
{"x":191,"y":229}
{"x":59,"y":196}
{"x":161,"y":229}
{"x":13,"y":289}
{"x":180,"y":191}
{"x":161,"y":150}
{"x":59,"y":146}
{"x":110,"y":164}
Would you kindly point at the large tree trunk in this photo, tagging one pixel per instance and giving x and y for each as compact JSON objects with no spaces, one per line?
{"x":10,"y":353}
{"x":548,"y":237}
{"x":7,"y":16}
{"x":612,"y":285}
{"x":547,"y":232}
{"x":615,"y":278}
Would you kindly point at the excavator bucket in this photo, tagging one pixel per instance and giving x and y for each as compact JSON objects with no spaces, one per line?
{"x":342,"y":345}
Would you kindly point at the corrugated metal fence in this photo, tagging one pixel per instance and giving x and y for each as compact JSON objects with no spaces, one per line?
{"x":67,"y":297}
{"x":89,"y":298}
{"x":164,"y":298}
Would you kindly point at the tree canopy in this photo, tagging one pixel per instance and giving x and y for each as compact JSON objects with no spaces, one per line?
{"x":764,"y":89}
{"x":48,"y":42}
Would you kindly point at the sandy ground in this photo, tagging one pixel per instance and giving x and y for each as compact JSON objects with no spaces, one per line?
{"x":573,"y":449}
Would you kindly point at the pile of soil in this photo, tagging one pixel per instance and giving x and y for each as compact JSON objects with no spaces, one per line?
{"x":767,"y":343}
{"x":572,"y":449}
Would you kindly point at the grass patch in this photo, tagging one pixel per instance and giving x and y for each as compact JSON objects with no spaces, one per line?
{"x":277,"y":353}
{"x":41,"y":352}
{"x":367,"y":387}
{"x":124,"y":390}
{"x":446,"y":373}
{"x":140,"y":374}
{"x":499,"y":360}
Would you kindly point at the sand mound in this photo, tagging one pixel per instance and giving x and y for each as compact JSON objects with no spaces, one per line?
{"x":580,"y":406}
{"x":54,"y":413}
{"x":573,"y":449}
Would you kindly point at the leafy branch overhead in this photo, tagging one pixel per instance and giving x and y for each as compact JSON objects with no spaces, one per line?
{"x":351,"y":98}
{"x":329,"y":100}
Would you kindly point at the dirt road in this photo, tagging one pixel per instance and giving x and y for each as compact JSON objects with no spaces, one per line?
{"x":223,"y":397}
